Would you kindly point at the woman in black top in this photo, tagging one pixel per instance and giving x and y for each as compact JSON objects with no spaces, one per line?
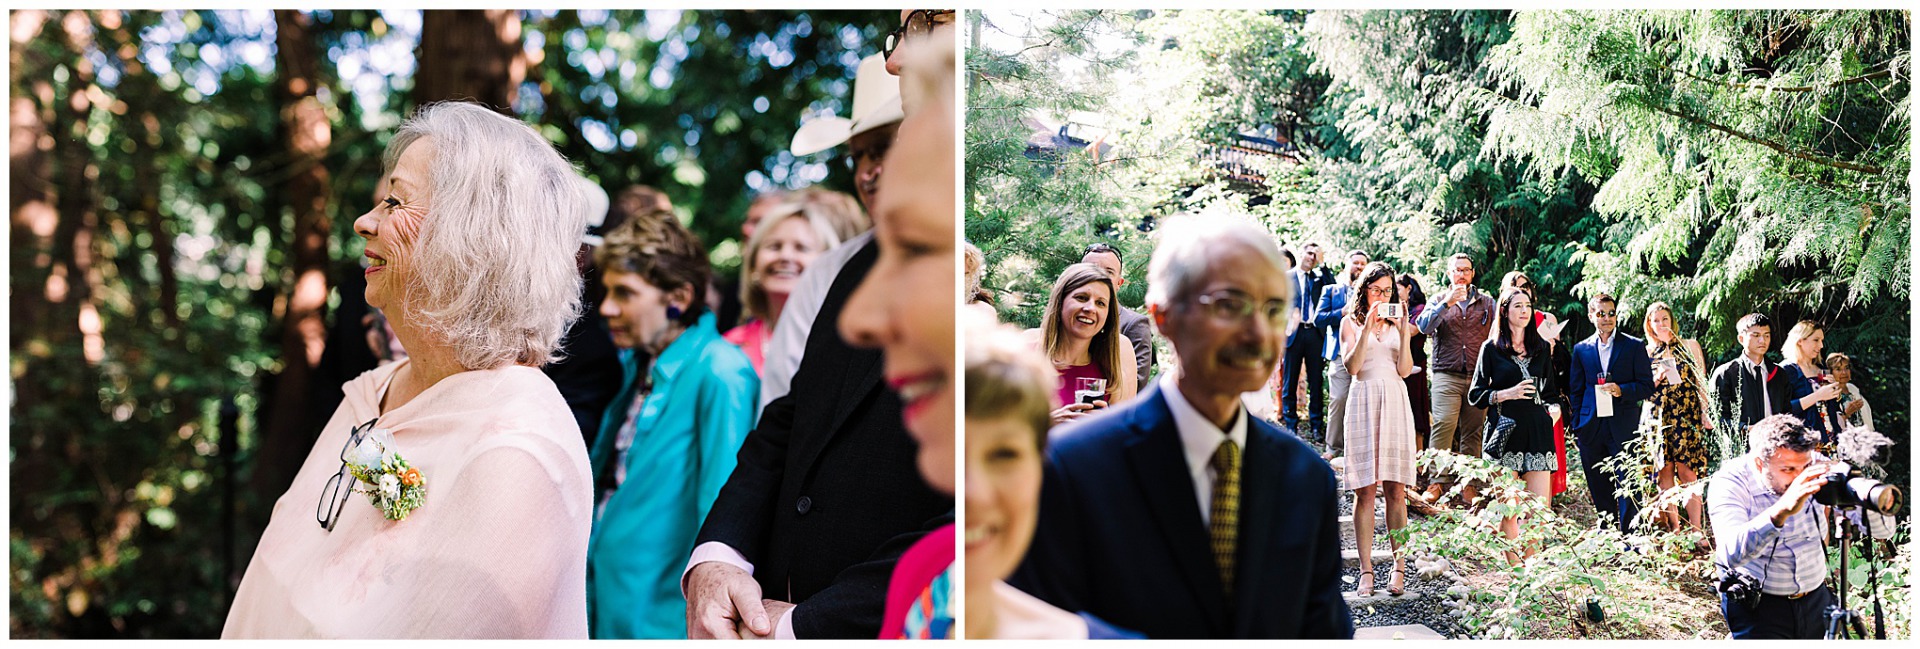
{"x":1514,"y":381}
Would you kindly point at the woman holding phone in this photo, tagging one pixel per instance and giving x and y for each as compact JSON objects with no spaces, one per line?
{"x":1377,"y":337}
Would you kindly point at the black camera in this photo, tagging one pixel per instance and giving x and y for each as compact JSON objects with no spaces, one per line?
{"x":1741,"y":589}
{"x":1851,"y":489}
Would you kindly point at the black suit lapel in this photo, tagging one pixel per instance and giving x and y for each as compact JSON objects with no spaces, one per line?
{"x":1160,"y":469}
{"x":855,"y":372}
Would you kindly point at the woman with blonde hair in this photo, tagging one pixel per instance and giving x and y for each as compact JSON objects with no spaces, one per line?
{"x":1679,"y":404}
{"x":454,"y":496}
{"x":1815,"y":395}
{"x":1080,"y":332}
{"x":786,"y":241}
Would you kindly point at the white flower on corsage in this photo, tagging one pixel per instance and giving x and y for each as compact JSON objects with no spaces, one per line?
{"x":392,"y":484}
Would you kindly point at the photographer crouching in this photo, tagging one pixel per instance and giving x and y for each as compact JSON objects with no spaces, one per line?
{"x":1770,"y":512}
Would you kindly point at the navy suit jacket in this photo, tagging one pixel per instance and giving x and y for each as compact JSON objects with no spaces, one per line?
{"x":1629,"y":366}
{"x":1333,"y":305}
{"x":1309,"y":332}
{"x":1120,"y":534}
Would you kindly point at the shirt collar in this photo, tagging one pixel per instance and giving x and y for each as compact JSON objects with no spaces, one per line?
{"x":683,"y":349}
{"x":1199,"y":438}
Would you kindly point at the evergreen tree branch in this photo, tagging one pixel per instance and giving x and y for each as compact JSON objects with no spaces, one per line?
{"x":1883,"y":73}
{"x":1782,"y":149}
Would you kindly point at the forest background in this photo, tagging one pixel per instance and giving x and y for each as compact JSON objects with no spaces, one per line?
{"x":183,"y":189}
{"x":1725,"y":162}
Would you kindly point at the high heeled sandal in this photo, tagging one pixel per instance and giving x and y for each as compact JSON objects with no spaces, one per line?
{"x":1366,"y":584}
{"x":1397,"y":584}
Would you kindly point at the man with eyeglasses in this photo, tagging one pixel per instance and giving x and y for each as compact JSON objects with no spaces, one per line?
{"x":1133,"y":325}
{"x":803,"y":537}
{"x":1177,"y":513}
{"x":1611,"y":375}
{"x":1458,"y":320}
{"x":916,"y":24}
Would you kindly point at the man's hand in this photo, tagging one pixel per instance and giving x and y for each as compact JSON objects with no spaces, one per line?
{"x":775,"y":609}
{"x":1457,"y":293}
{"x":719,"y":596}
{"x":1809,"y":482}
{"x":1610,"y":388}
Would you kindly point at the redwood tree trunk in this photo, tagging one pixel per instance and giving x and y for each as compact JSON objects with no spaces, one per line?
{"x":306,"y":134}
{"x":472,"y":54}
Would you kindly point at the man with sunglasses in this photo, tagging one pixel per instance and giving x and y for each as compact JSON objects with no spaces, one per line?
{"x":1177,"y":513}
{"x":1614,"y":364}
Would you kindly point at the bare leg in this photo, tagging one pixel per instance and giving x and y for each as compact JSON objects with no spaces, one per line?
{"x":1669,"y":515}
{"x":1363,"y":533}
{"x":1396,"y":519}
{"x":1510,"y":528}
{"x":1540,"y":486}
{"x":1687,"y":477}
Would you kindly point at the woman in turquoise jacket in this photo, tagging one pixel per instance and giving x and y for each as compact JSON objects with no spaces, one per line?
{"x":668,"y":441}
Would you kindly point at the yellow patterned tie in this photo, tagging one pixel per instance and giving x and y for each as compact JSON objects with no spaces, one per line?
{"x":1225,"y":527}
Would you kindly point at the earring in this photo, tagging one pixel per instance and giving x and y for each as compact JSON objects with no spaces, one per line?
{"x":673,"y":312}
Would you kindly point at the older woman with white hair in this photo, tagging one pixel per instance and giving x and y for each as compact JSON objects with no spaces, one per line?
{"x":789,"y":237}
{"x":452,"y":488}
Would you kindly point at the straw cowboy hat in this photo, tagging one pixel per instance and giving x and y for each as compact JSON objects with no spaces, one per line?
{"x":876,"y":103}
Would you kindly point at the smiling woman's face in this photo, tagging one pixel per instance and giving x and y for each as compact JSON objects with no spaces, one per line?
{"x":392,"y":227}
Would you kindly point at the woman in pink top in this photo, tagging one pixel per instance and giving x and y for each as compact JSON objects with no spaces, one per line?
{"x":449,"y":496}
{"x":1080,"y":332}
{"x":783,"y":245}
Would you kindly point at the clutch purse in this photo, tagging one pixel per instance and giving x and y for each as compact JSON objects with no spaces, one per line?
{"x":1500,"y":435}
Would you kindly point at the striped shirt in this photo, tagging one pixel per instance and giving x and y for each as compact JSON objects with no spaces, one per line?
{"x":1787,"y":560}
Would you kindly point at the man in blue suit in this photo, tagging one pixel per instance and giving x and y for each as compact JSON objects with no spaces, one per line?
{"x":1617,"y":364}
{"x":1326,"y":316}
{"x":1303,"y":348}
{"x":1177,"y":514}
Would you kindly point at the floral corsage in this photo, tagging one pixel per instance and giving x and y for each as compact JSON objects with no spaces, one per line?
{"x":392,"y":484}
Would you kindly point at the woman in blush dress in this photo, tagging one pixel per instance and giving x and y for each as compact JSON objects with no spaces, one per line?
{"x":1379,"y":420}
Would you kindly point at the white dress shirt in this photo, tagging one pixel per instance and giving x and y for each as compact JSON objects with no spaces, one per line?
{"x":1605,"y":346}
{"x":1199,"y":438}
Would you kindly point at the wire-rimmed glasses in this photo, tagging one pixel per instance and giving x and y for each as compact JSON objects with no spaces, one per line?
{"x":334,"y":496}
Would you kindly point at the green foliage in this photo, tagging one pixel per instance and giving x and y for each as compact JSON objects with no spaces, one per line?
{"x":1544,"y":596}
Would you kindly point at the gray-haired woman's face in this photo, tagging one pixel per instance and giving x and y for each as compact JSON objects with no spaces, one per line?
{"x":393,"y":225}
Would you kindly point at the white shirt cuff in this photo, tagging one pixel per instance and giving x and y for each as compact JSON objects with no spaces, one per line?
{"x":784,"y":629}
{"x":714,"y":551}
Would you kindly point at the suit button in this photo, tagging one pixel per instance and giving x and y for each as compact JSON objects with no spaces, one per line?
{"x":803,"y":505}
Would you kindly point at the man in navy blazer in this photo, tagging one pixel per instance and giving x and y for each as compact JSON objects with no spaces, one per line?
{"x":1303,"y":348}
{"x":1629,"y":381}
{"x":1326,"y":316}
{"x":1152,"y":516}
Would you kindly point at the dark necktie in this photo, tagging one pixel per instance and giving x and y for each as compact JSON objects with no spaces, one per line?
{"x":1225,"y":526}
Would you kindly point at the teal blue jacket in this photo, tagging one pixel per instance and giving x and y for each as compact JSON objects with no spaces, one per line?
{"x":687,"y":434}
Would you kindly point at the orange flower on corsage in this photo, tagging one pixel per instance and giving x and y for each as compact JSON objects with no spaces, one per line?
{"x":392,"y":484}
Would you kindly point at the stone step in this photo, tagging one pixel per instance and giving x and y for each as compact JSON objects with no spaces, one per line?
{"x":1398,"y":632}
{"x":1379,"y":521}
{"x":1380,"y":597}
{"x":1351,"y":556}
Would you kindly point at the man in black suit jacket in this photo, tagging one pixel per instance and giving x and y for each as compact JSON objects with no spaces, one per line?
{"x":1749,"y":388}
{"x":1303,"y":347}
{"x":825,"y":498}
{"x":1151,"y":516}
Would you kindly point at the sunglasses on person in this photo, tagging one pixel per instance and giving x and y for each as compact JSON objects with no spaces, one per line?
{"x":333,"y":497}
{"x":919,"y":23}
